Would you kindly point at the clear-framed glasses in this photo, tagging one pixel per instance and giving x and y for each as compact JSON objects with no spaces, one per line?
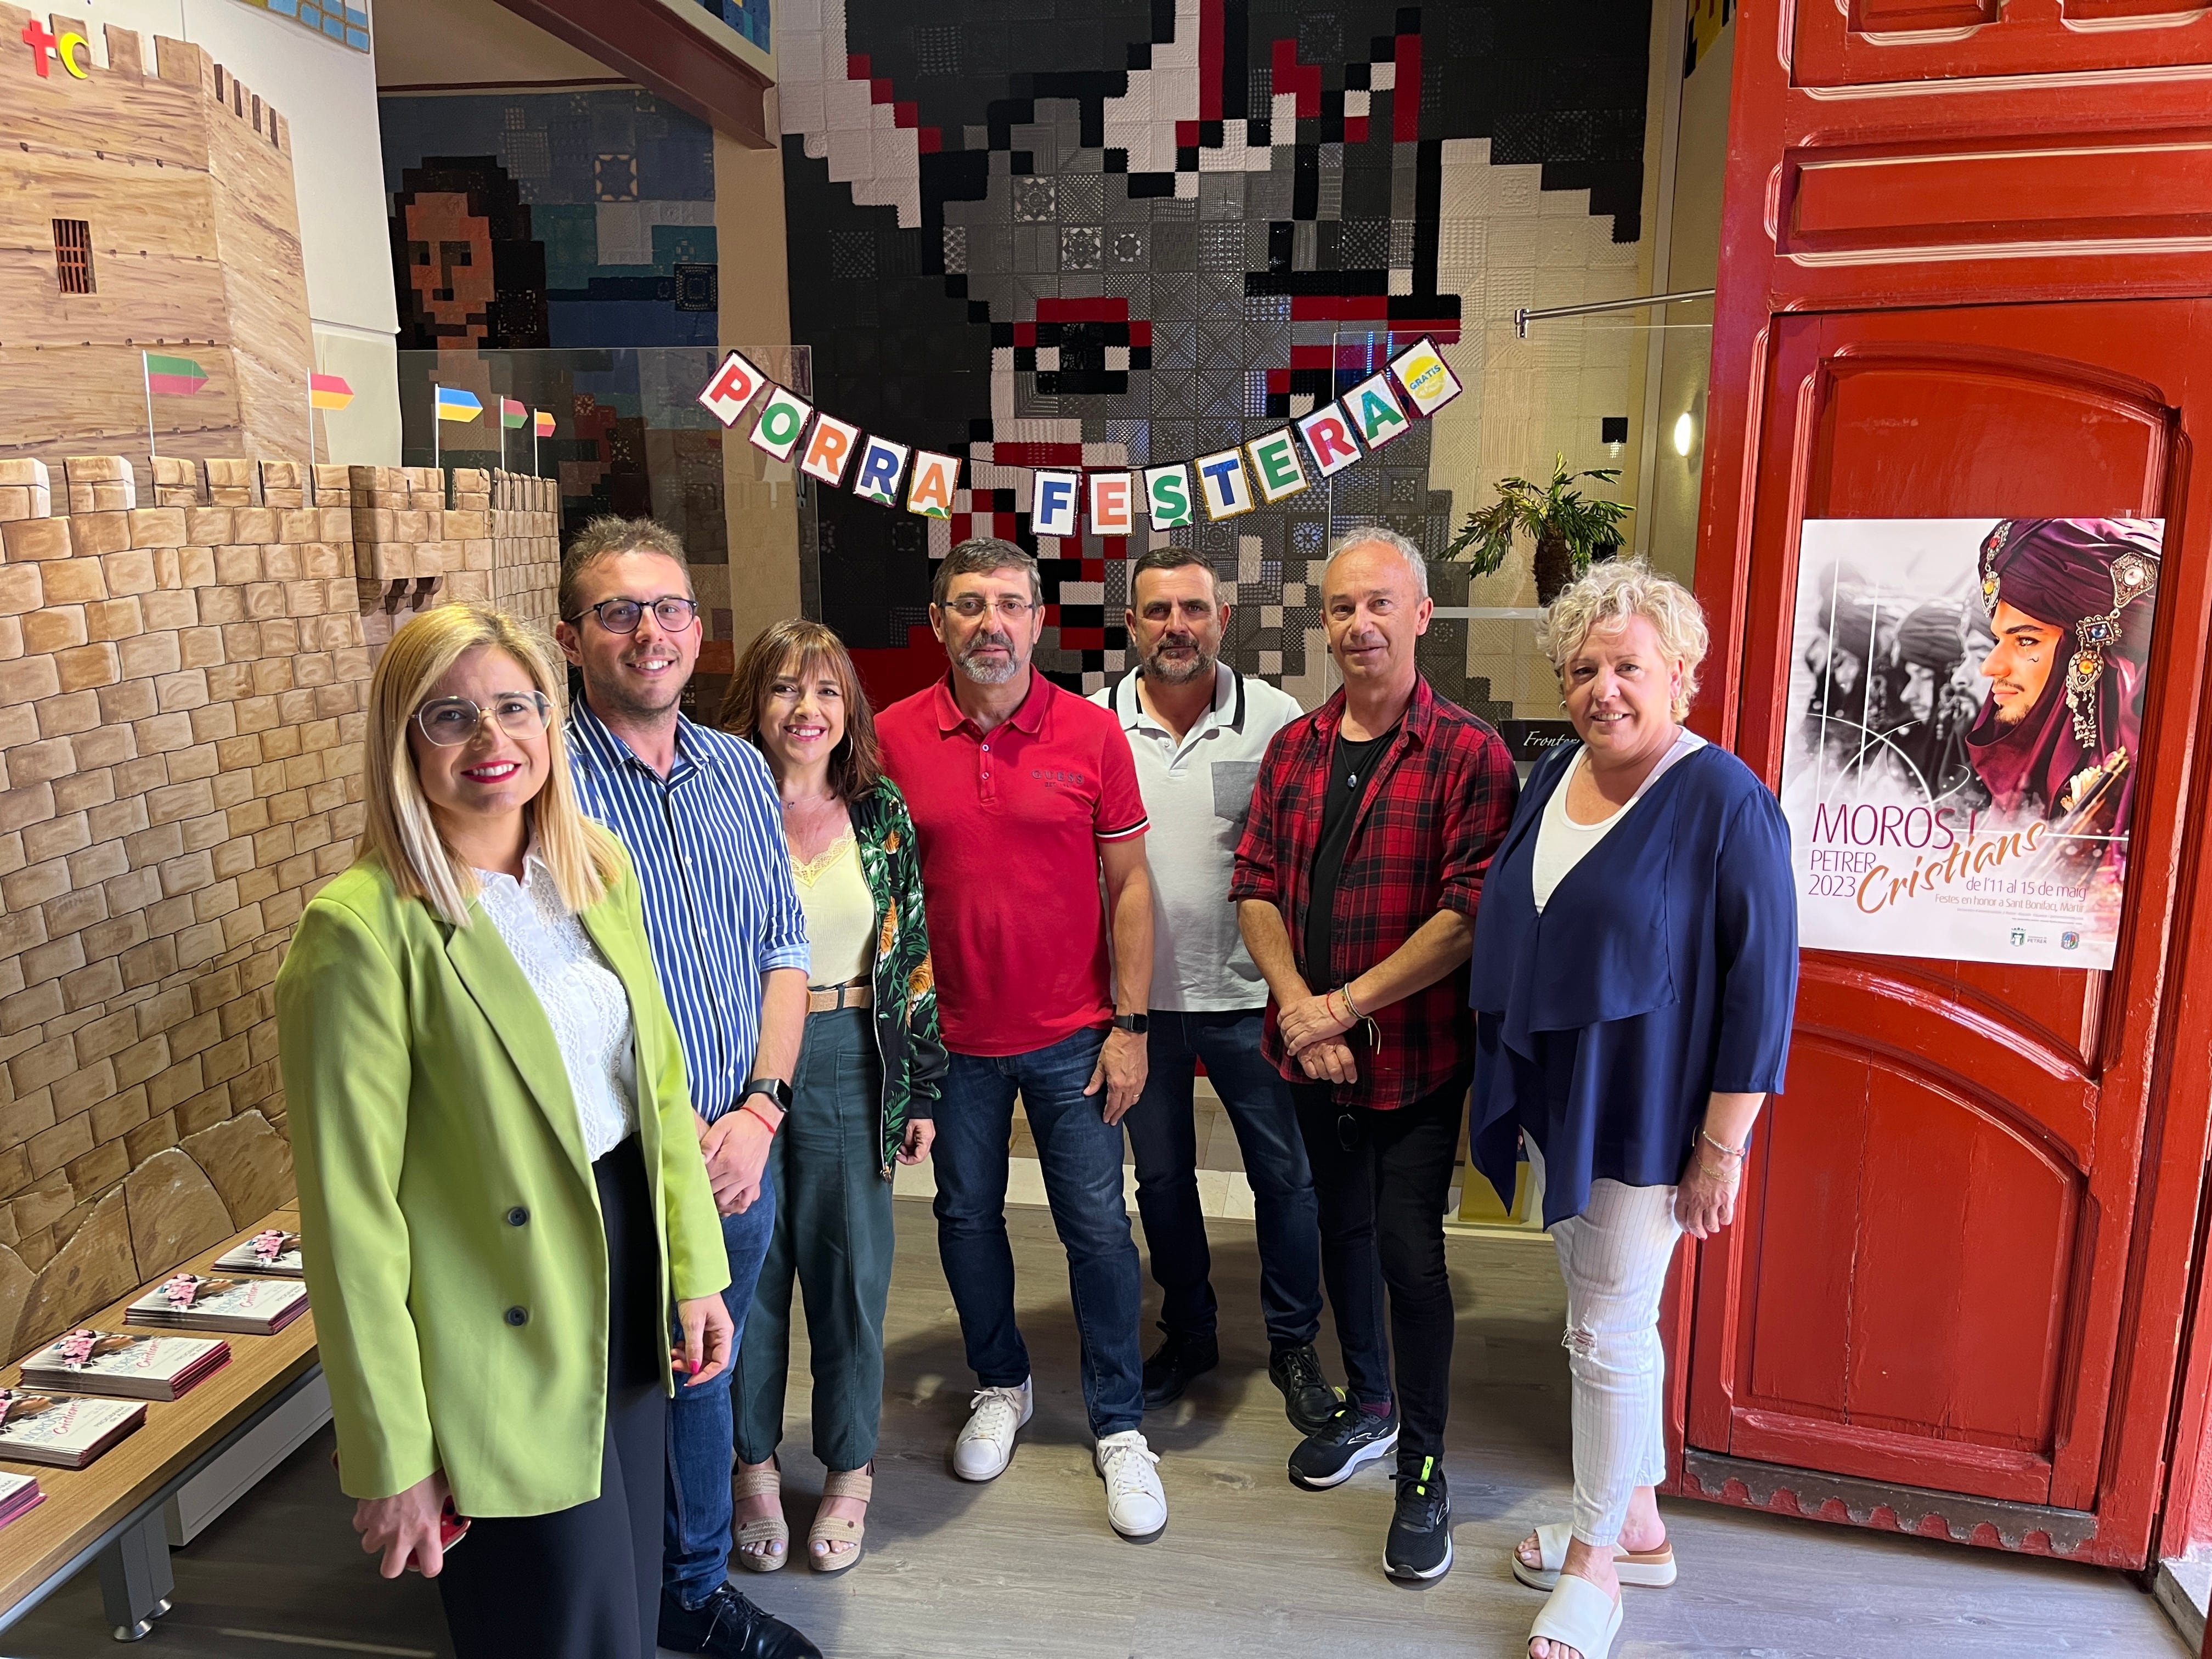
{"x":623,"y":616}
{"x":448,"y":721}
{"x":972,"y":605}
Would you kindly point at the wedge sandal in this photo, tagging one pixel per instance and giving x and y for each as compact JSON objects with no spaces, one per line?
{"x":772,"y":1530}
{"x":1647,"y":1568}
{"x":833,"y":1543}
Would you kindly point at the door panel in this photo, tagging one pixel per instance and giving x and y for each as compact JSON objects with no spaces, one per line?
{"x":1924,"y":1284}
{"x":1865,"y":42}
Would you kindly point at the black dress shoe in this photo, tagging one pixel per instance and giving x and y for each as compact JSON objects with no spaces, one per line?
{"x":1419,"y":1547}
{"x":1174,"y":1363}
{"x":728,"y":1626}
{"x":1331,"y":1454}
{"x":1308,"y":1400}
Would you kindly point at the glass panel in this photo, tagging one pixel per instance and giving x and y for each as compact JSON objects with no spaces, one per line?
{"x":629,"y":437}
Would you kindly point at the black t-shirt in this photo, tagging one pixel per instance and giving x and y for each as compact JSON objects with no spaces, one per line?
{"x":1349,"y":765}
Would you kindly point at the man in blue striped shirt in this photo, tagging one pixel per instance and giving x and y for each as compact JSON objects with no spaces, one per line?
{"x":697,"y":810}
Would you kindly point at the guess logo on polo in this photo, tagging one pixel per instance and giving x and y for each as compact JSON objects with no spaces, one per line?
{"x":1051,"y":776}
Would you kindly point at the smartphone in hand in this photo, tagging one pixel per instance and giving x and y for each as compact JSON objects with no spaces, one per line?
{"x":452,"y":1527}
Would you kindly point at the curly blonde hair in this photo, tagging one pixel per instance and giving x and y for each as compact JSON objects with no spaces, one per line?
{"x":1609,"y":594}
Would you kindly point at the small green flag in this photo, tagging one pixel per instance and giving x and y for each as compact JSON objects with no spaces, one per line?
{"x":173,"y":377}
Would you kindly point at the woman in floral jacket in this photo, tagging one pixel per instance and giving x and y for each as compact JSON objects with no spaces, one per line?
{"x":868,"y":1080}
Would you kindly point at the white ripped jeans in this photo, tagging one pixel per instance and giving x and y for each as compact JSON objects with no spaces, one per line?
{"x":1614,"y":1256}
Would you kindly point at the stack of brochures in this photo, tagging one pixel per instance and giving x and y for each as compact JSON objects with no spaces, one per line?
{"x":136,"y":1366}
{"x":18,"y":1494}
{"x":272,"y":1252}
{"x":253,"y":1307}
{"x":69,"y":1433}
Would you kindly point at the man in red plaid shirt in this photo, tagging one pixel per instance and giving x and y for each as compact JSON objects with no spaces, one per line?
{"x":1356,"y":884}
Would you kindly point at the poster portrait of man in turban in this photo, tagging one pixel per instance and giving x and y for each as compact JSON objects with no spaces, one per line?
{"x":2069,"y":602}
{"x":1962,"y":780}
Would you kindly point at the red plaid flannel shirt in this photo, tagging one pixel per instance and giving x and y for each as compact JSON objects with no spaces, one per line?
{"x":1435,"y":810}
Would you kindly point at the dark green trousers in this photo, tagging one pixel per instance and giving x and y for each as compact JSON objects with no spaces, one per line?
{"x":833,"y":1235}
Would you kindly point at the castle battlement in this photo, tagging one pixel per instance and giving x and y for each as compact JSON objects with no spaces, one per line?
{"x":149,"y":211}
{"x":185,"y":656}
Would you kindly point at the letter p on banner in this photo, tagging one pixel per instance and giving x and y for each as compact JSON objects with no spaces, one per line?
{"x":1052,"y":504}
{"x":734,"y":385}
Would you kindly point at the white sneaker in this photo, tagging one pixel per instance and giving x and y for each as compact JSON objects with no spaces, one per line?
{"x":1135,"y":1503}
{"x":986,"y":1446}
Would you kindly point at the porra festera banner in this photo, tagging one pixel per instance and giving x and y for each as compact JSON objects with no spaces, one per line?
{"x":1966,"y":703}
{"x":1107,"y":500}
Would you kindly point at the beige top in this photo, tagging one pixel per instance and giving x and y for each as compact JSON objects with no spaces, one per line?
{"x":841,"y":916}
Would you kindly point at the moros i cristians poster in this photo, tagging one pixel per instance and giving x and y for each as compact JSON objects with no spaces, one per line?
{"x":1965,"y":711}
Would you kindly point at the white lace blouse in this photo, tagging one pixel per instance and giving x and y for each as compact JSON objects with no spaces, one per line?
{"x":583,"y":1000}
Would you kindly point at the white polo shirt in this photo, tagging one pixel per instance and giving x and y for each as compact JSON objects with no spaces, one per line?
{"x":1197,"y":793}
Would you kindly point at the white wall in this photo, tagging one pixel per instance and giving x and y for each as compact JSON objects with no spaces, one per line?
{"x":327,"y":91}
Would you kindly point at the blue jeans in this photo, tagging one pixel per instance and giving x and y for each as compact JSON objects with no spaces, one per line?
{"x":1165,"y":1144}
{"x":1081,"y":1153}
{"x":701,"y":1435}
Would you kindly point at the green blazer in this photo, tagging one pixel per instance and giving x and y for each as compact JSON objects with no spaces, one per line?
{"x":455,"y":1256}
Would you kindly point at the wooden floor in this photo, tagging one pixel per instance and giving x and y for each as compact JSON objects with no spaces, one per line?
{"x":1249,"y":1565}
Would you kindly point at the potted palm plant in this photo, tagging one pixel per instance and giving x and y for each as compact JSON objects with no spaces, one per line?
{"x":1568,"y":527}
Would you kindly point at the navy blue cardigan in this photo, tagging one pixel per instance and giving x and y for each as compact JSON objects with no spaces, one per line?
{"x":1663,"y":969}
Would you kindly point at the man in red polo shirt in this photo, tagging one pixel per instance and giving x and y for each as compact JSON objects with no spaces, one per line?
{"x":1023,"y":796}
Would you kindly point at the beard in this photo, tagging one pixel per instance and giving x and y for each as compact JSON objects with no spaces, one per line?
{"x":2010,"y":714}
{"x":984,"y":673}
{"x":1167,"y":671}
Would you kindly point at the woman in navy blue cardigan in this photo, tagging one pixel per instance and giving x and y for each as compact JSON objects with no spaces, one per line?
{"x":1634,"y":969}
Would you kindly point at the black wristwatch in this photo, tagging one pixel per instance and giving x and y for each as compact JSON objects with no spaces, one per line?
{"x":774,"y":1087}
{"x":1135,"y":1024}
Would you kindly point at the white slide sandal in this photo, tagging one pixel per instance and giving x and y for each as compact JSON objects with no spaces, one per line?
{"x":1647,"y":1568}
{"x":1579,"y":1615}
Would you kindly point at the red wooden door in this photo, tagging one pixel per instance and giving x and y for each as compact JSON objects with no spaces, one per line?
{"x":1959,"y":260}
{"x":1925,"y":1289}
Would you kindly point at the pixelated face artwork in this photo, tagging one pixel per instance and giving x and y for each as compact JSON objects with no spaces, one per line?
{"x":449,"y":264}
{"x":1198,"y":247}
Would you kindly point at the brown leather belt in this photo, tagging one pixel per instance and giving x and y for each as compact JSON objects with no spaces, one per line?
{"x":859,"y":993}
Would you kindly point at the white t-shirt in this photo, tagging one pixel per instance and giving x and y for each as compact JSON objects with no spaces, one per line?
{"x":1561,"y":843}
{"x":1197,"y":794}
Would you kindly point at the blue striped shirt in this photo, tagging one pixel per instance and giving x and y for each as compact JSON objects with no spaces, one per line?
{"x":720,"y":907}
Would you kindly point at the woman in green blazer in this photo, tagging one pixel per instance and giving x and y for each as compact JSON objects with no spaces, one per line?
{"x":501,"y":1187}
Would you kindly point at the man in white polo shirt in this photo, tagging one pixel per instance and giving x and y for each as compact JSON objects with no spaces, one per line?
{"x":1198,"y":730}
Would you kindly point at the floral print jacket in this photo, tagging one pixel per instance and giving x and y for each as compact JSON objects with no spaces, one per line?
{"x":906,"y":1039}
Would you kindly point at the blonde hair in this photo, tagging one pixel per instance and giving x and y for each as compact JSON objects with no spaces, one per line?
{"x":400,"y":832}
{"x":1611,"y":592}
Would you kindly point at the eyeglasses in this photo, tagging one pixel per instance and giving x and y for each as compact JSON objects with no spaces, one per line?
{"x":972,"y":605}
{"x":623,"y":616}
{"x":450,"y":721}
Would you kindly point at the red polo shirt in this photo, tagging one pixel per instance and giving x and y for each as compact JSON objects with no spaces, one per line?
{"x":1008,"y":825}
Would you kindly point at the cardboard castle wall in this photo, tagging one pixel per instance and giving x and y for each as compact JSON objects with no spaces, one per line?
{"x":183,"y":177}
{"x":184,"y":653}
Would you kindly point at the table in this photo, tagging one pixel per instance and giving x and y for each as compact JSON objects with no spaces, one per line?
{"x":110,"y":1510}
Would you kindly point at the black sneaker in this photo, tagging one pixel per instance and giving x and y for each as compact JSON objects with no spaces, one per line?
{"x":1330,"y":1454}
{"x":1174,"y":1363}
{"x":1308,"y":1400}
{"x":1419,"y":1547}
{"x":728,"y":1626}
